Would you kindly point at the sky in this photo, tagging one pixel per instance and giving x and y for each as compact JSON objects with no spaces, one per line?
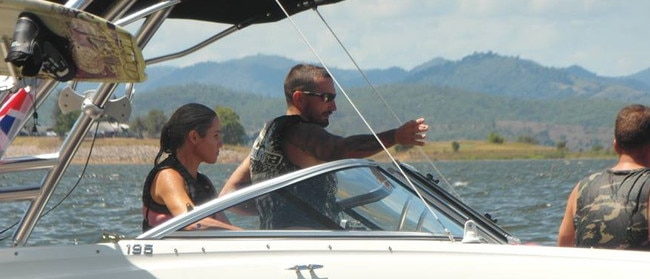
{"x":606,"y":37}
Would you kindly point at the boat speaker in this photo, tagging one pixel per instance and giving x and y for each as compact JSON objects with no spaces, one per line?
{"x":34,"y":48}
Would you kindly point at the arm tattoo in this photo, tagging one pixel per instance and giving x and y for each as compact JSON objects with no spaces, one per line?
{"x":315,"y":140}
{"x":362,"y":143}
{"x":361,"y":146}
{"x":327,"y":147}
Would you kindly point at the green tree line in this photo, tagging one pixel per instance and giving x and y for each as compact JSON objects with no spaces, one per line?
{"x":150,"y":125}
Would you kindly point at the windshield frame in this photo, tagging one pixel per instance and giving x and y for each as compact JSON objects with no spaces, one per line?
{"x":453,"y":209}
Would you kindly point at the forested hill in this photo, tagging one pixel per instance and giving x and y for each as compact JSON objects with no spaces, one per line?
{"x":261,"y":75}
{"x":497,"y":75}
{"x":464,"y":99}
{"x":487,"y":73}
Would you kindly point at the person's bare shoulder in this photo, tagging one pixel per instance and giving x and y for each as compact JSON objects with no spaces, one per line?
{"x":168,"y":179}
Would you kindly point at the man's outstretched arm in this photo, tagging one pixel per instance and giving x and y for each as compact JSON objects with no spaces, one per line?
{"x":324,"y":146}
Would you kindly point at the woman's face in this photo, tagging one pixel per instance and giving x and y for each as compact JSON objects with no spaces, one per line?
{"x":207,"y":147}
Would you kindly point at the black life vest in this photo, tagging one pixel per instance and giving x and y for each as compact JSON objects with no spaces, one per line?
{"x":200,"y":189}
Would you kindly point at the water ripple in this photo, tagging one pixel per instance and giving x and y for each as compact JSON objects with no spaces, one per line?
{"x":526,"y":196}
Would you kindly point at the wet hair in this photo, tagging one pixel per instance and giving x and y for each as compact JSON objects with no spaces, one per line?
{"x":301,"y":77}
{"x":632,"y":127}
{"x":186,"y":118}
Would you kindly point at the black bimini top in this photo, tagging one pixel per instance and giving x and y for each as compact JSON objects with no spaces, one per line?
{"x":244,"y":12}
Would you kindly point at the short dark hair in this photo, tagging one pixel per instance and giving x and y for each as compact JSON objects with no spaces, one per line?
{"x":632,"y":127}
{"x":301,"y":77}
{"x":186,"y":118}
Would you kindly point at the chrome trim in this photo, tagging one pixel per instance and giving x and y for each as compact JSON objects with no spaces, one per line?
{"x":301,"y":234}
{"x":194,"y":48}
{"x":28,"y":163}
{"x":19,"y":193}
{"x":118,"y":9}
{"x":146,"y":12}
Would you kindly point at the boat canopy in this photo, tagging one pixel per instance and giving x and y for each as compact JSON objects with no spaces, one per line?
{"x":240,"y":12}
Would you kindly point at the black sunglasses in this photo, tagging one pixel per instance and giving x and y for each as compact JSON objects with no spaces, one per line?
{"x":327,"y":97}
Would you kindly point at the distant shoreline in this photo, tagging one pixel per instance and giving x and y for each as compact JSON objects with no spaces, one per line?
{"x":108,"y":150}
{"x":143,"y":151}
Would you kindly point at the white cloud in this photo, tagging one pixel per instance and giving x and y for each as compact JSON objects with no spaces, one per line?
{"x":607,"y":37}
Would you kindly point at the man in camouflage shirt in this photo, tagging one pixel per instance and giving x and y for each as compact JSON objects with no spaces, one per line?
{"x":609,"y":209}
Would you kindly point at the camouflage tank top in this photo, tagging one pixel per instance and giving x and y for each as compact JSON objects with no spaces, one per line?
{"x":612,"y":210}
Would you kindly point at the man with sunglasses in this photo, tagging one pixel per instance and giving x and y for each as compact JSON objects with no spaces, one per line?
{"x":298,"y":140}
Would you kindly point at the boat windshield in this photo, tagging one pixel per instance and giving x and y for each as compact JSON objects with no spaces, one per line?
{"x":351,"y":199}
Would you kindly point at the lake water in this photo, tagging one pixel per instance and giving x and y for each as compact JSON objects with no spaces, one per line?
{"x":527,"y":197}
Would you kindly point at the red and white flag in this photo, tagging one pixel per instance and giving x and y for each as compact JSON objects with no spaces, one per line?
{"x":13,"y":113}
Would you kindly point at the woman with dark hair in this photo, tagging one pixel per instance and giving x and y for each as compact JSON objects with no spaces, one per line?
{"x":174,"y":186}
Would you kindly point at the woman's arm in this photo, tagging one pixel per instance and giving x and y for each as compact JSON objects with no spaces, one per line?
{"x":168,"y":188}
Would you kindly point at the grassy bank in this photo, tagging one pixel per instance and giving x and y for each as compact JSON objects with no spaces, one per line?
{"x":483,"y":150}
{"x":143,"y":151}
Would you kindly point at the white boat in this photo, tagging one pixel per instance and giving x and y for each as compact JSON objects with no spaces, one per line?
{"x":394,"y":221}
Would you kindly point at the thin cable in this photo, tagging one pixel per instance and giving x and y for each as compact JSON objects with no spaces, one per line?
{"x":374,"y":89}
{"x":449,"y":235}
{"x":34,"y":112}
{"x":83,"y":172}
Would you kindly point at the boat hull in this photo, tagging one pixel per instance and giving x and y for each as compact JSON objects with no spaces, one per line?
{"x":315,"y":258}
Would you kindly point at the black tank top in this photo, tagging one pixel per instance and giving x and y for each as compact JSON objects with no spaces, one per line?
{"x":300,"y":205}
{"x":611,"y":210}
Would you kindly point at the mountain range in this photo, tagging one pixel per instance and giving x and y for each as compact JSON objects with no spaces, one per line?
{"x":487,"y":73}
{"x":462,"y":99}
